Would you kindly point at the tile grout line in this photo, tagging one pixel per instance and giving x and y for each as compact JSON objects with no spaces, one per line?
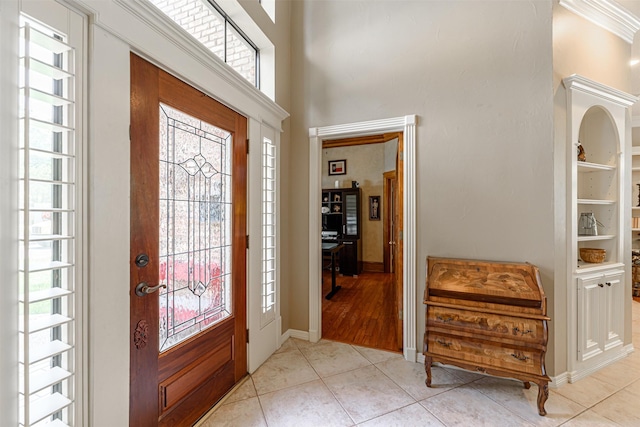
{"x":505,"y":407}
{"x":327,"y":387}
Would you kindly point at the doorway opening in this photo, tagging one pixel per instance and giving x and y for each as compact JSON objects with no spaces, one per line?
{"x":406,"y":235}
{"x":362,"y":269}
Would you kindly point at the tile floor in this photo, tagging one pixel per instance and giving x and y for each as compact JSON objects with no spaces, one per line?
{"x":335,"y":384}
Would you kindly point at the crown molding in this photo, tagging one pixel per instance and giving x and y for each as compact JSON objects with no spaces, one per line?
{"x":583,"y":84}
{"x":607,"y":14}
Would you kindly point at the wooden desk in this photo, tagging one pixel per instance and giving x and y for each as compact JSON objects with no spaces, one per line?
{"x":332,"y":249}
{"x":489,"y":317}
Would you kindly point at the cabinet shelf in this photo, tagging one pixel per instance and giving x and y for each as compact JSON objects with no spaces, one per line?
{"x":589,"y":267}
{"x":594,"y":167}
{"x":599,"y":237}
{"x":595,"y":202}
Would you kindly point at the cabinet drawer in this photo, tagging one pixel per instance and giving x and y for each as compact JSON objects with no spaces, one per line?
{"x":522,"y":329}
{"x":486,"y":353}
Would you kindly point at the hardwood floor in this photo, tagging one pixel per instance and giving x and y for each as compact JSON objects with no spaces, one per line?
{"x":362,"y":312}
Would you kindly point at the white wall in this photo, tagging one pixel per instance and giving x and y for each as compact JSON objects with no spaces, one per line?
{"x":479,"y":76}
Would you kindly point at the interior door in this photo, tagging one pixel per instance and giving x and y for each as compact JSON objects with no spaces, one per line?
{"x":188,"y":249}
{"x":389,"y":232}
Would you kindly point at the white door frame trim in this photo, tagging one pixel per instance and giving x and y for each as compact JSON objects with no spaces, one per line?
{"x":407,"y":125}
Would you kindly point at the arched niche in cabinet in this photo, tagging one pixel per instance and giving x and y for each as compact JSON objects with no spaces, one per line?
{"x":598,"y":183}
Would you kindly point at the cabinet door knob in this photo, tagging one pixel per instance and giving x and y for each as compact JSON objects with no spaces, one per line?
{"x":601,"y":285}
{"x":608,"y":283}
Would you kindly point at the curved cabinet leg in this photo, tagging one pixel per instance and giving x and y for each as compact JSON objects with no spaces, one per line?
{"x":427,"y":369}
{"x":543,"y":394}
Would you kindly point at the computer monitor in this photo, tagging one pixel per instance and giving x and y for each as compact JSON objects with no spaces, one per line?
{"x":332,"y":222}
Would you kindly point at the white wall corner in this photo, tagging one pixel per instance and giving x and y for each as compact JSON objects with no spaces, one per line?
{"x":607,"y":14}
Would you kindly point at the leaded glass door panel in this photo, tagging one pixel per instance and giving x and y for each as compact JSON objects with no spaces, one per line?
{"x":188,"y":255}
{"x":195,"y":226}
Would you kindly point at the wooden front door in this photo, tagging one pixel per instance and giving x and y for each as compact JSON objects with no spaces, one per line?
{"x":188,"y":249}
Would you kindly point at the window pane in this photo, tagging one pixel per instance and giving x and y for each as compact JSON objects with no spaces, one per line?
{"x":199,"y":19}
{"x":241,"y":56}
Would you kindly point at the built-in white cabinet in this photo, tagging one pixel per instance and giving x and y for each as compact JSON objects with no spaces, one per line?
{"x":635,"y":197}
{"x":599,"y":315}
{"x":635,"y":208}
{"x":597,"y":132}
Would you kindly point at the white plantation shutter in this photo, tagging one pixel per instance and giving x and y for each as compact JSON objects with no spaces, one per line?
{"x":49,"y":225}
{"x":268,"y":231}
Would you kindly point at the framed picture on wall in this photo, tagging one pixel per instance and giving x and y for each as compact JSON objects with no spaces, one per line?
{"x":337,"y":167}
{"x":374,"y":208}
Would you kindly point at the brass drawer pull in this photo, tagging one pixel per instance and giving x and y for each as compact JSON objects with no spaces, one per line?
{"x":447,"y":319}
{"x":444,"y":343}
{"x":516,"y":330}
{"x":521,"y":357}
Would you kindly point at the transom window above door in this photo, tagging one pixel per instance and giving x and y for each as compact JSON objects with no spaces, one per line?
{"x":208,"y":24}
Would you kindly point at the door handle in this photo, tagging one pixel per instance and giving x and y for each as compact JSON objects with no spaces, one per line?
{"x":143,"y":289}
{"x":392,"y":243}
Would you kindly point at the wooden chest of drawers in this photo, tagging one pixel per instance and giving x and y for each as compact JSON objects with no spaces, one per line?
{"x":489,"y":317}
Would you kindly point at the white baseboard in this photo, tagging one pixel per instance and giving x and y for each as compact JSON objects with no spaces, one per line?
{"x":559,"y":380}
{"x":313,"y":335}
{"x":587,"y":369}
{"x":294,"y":333}
{"x":410,"y":355}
